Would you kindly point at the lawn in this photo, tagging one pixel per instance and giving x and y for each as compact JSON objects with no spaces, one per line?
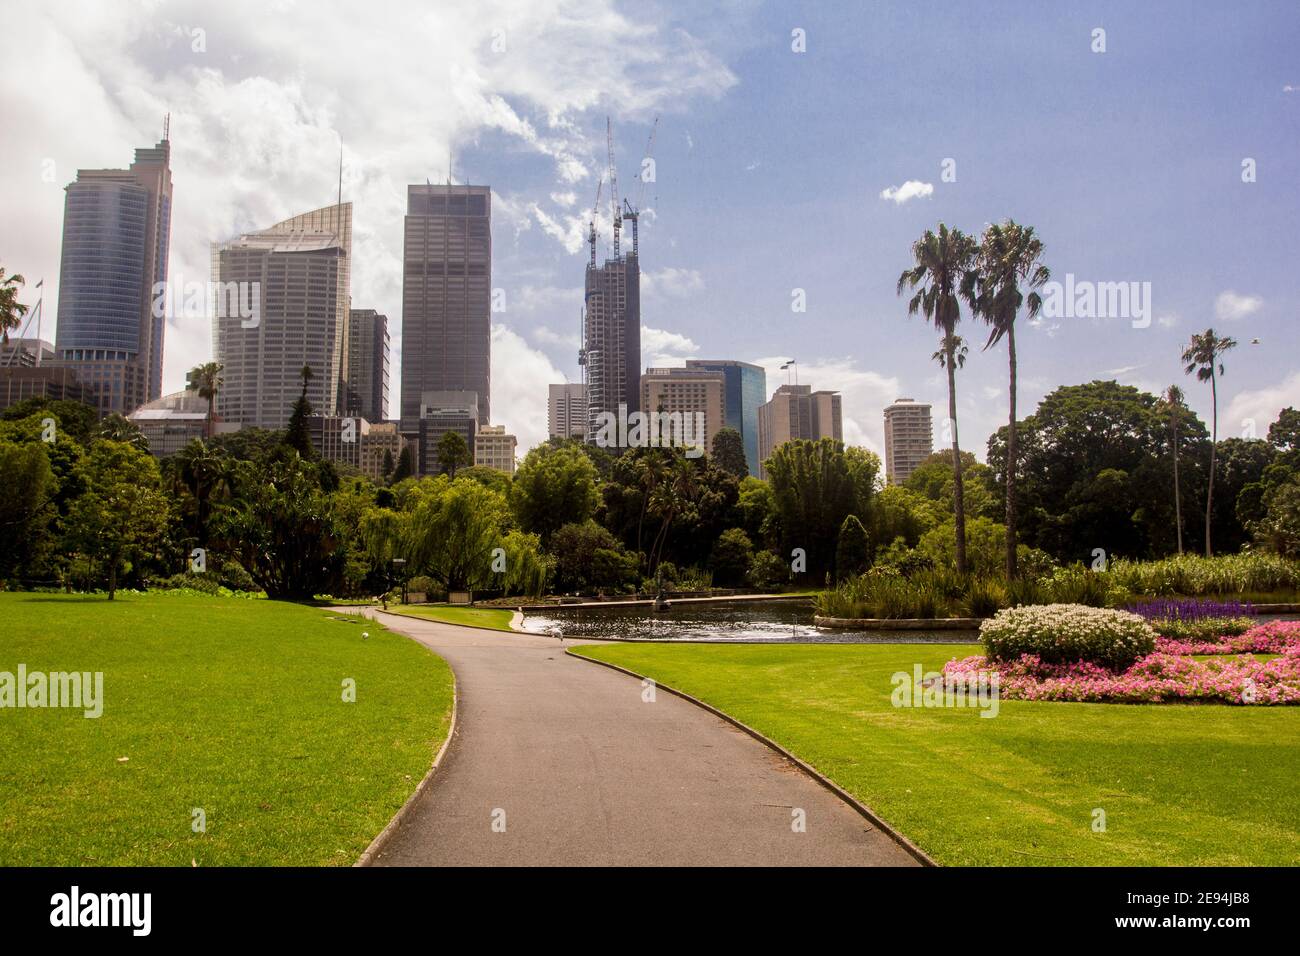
{"x":497,"y":619}
{"x":227,"y":705}
{"x":1179,"y":784}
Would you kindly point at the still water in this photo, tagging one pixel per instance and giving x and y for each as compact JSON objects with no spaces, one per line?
{"x":767,"y":621}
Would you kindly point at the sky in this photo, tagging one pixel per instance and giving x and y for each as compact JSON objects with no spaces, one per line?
{"x":800,"y":150}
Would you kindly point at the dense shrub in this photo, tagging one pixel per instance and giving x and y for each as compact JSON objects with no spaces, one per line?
{"x":1064,"y":633}
{"x":766,"y":570}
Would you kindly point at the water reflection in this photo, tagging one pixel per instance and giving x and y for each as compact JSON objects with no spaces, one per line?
{"x":765,"y":621}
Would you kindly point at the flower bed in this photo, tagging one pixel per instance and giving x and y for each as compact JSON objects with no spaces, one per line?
{"x":1170,"y":673}
{"x":1273,"y":637}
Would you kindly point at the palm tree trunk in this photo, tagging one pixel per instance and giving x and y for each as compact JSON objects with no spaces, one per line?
{"x":1214,"y":444}
{"x":1011,"y":456}
{"x":1178,"y":498}
{"x":959,"y":504}
{"x":211,"y":398}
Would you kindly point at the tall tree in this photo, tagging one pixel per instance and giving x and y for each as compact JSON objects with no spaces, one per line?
{"x":729,"y":452}
{"x":405,"y":469}
{"x":453,"y":453}
{"x":206,"y":380}
{"x":1010,"y":257}
{"x":298,"y":435}
{"x":1203,"y":357}
{"x":942,"y":262}
{"x":11,"y":310}
{"x":1173,"y":400}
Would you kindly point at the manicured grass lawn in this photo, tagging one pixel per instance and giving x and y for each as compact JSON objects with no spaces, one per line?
{"x":233,"y":706}
{"x":495,"y":618}
{"x":1179,"y":784}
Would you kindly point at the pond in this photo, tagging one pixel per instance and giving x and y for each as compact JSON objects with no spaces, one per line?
{"x":741,"y":621}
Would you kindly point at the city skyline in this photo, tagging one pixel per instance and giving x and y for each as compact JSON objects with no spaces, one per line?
{"x":254,"y":141}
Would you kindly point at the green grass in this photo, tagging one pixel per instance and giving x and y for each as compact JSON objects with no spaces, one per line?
{"x":495,"y":618}
{"x":233,"y":706}
{"x":1179,"y":784}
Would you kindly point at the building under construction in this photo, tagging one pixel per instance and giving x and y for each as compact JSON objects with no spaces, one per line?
{"x":611,"y":324}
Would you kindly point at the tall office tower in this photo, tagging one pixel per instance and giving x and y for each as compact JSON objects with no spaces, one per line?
{"x":796,"y":411}
{"x":746,"y":391}
{"x":116,"y":231}
{"x":699,"y":393}
{"x":909,"y":438}
{"x":446,"y":297}
{"x":296,"y":278}
{"x":494,"y":448}
{"x":612,"y":338}
{"x":367,"y":375}
{"x":566,"y":410}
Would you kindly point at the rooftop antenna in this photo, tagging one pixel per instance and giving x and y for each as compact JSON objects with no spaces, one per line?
{"x":449,"y":164}
{"x":167,"y":127}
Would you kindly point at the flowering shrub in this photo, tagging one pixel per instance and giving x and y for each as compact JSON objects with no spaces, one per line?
{"x":1155,"y":678}
{"x":1196,"y":621}
{"x":1067,"y":633}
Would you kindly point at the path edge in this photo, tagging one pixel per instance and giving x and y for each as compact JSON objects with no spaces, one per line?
{"x":857,"y":805}
{"x":377,"y":845}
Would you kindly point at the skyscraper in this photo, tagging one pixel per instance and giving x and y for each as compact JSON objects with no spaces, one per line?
{"x":909,"y":438}
{"x":116,"y":232}
{"x":796,"y":411}
{"x":746,"y":391}
{"x":296,"y":274}
{"x":446,"y":297}
{"x":612,"y":338}
{"x":367,"y":375}
{"x":566,"y":410}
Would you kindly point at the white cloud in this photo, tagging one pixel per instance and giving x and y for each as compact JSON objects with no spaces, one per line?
{"x":1260,"y":406}
{"x":520,"y":375}
{"x":912,"y":189}
{"x":863,"y":394}
{"x":672,"y":282}
{"x":663,"y":349}
{"x":1230,"y":306}
{"x":1167,"y":321}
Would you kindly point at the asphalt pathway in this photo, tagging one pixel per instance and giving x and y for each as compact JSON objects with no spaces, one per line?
{"x":557,"y":761}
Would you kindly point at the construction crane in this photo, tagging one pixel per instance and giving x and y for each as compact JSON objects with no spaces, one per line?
{"x":595,"y":212}
{"x":613,"y":184}
{"x":633,"y":213}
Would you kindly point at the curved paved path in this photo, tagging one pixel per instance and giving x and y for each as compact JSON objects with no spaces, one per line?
{"x":589,"y":774}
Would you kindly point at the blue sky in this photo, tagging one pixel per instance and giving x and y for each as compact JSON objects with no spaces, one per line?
{"x":770,"y":165}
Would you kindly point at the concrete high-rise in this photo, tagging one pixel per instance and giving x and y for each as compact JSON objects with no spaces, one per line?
{"x":746,"y":391}
{"x":366,"y":382}
{"x":794,"y":412}
{"x":297,"y":276}
{"x":116,"y":233}
{"x":566,"y":410}
{"x":446,"y":297}
{"x":494,"y":448}
{"x":612,"y":338}
{"x":698,"y":396}
{"x":909,"y":438}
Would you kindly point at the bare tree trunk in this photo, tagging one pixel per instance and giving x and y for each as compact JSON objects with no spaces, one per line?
{"x":1178,"y":497}
{"x":112,"y":577}
{"x":1011,"y":457}
{"x":959,"y":504}
{"x":1214,"y":447}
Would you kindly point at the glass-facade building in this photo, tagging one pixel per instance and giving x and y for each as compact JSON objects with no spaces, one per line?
{"x":116,"y":232}
{"x":746,"y":390}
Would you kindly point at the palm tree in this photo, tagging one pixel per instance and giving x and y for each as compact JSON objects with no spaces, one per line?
{"x":1202,"y":357}
{"x":1010,"y":255}
{"x":942,"y":262}
{"x":11,"y":310}
{"x":207,"y":381}
{"x":1173,"y":399}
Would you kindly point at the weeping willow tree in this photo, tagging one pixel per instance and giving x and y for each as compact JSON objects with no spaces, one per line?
{"x":527,"y":568}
